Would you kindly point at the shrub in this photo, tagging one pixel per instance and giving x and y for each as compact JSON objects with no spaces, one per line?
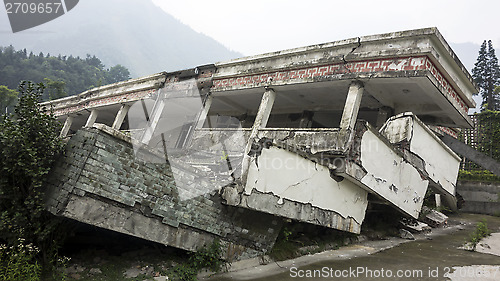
{"x":204,"y":258}
{"x":479,"y":233}
{"x":18,"y":262}
{"x":29,"y":145}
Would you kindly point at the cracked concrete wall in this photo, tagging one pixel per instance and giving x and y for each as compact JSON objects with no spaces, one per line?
{"x":440,"y":163}
{"x":390,"y":176}
{"x":287,"y":175}
{"x":98,"y":181}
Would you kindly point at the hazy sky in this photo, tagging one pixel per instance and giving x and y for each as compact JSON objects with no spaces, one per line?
{"x":258,"y":26}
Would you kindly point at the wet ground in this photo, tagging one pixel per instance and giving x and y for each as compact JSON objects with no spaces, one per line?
{"x":431,"y":258}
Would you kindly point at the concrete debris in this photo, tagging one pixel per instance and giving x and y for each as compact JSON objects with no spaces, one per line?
{"x":434,"y":218}
{"x":132,"y":272}
{"x":415,"y":226}
{"x":75,"y":269}
{"x":405,"y":234}
{"x":93,"y":271}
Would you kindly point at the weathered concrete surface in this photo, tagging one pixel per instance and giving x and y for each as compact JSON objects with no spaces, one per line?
{"x":288,"y":176}
{"x":333,"y":171}
{"x":480,"y":197}
{"x":434,"y":218}
{"x":98,"y":181}
{"x":490,"y":245}
{"x":256,"y":269}
{"x":436,"y":160}
{"x":389,"y":175}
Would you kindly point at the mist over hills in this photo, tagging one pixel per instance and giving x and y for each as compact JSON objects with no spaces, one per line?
{"x":134,"y":33}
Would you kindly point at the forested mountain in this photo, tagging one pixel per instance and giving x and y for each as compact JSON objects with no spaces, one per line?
{"x":61,"y":75}
{"x":133,"y":33}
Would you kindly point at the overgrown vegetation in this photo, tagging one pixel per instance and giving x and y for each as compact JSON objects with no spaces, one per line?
{"x":29,"y":145}
{"x":297,"y":239}
{"x":478,"y":175}
{"x":481,"y":231}
{"x":18,"y":262}
{"x":208,"y":257}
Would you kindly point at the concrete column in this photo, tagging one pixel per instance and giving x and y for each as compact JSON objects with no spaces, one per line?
{"x":66,"y":126}
{"x":204,"y":112}
{"x":438,"y":200}
{"x":266,"y":105}
{"x":92,"y":118}
{"x":305,"y":120}
{"x":120,"y":116}
{"x":261,"y":119}
{"x":351,"y":107}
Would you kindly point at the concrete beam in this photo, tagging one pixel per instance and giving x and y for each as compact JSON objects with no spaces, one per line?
{"x":92,"y":118}
{"x":120,"y":116}
{"x":351,"y":107}
{"x":66,"y":126}
{"x":470,"y":153}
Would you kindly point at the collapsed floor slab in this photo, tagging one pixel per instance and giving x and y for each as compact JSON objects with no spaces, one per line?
{"x":100,"y":182}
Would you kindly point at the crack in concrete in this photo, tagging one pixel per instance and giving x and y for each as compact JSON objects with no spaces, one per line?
{"x":353,"y":49}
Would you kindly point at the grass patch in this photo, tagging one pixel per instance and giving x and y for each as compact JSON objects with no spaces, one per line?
{"x":481,"y":231}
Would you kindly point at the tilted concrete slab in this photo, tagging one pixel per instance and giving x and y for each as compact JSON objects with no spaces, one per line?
{"x":99,"y":181}
{"x":438,"y":161}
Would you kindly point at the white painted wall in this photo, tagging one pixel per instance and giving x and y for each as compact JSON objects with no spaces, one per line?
{"x":287,"y":175}
{"x":441,"y":165}
{"x":389,"y":176}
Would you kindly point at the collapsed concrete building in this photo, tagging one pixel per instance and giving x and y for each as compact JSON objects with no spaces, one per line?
{"x":226,"y":151}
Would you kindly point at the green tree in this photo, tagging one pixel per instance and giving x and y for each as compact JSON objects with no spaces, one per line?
{"x":55,"y":89}
{"x":29,"y":144}
{"x":7,"y":99}
{"x":486,"y":73}
{"x":66,"y":75}
{"x":118,"y":73}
